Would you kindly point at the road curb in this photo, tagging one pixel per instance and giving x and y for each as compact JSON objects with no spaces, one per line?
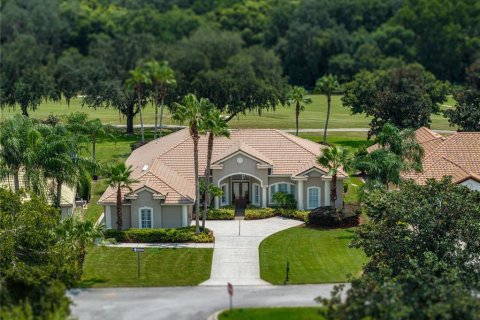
{"x":214,"y":316}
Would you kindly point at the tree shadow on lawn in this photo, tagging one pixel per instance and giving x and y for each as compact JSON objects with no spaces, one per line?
{"x":353,"y":144}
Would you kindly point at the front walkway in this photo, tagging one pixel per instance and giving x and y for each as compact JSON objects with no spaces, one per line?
{"x":235,"y":256}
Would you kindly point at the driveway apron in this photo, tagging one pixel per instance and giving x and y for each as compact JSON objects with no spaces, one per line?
{"x":235,"y":256}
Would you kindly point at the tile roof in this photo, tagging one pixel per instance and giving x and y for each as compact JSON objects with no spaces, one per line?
{"x":169,"y":160}
{"x":457,"y":155}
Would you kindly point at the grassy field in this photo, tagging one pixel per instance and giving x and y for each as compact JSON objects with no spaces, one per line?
{"x":299,"y":313}
{"x":282,"y":118}
{"x":117,"y":267}
{"x":315,"y":256}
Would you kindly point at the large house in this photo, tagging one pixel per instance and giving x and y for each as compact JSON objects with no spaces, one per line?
{"x":456,"y":155}
{"x":250,"y":167}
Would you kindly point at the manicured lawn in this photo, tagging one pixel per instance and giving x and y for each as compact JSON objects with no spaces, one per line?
{"x":348,"y":140}
{"x":282,"y":118}
{"x":354,"y":184}
{"x":315,"y":256}
{"x":299,"y":313}
{"x":117,"y":267}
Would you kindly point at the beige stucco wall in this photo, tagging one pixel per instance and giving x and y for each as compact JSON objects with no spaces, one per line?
{"x":172,"y":216}
{"x":145,"y":199}
{"x":248,"y":167}
{"x":126,"y":220}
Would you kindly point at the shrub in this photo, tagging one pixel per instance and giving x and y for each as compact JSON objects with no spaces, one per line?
{"x":259,"y":213}
{"x":186,"y":234}
{"x":329,"y":217}
{"x":301,"y":215}
{"x":285,"y":200}
{"x":221,"y":214}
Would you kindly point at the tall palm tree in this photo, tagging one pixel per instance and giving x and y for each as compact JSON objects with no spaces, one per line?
{"x":59,"y":156}
{"x":334,"y":158}
{"x":216,"y":126}
{"x":161,"y":75}
{"x":118,"y":177}
{"x":79,"y":123}
{"x":138,"y":78}
{"x":298,"y":97}
{"x":327,"y":85}
{"x":79,"y":233}
{"x":191,"y":111}
{"x":16,"y":138}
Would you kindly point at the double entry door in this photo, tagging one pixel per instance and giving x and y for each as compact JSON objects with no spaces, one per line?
{"x":241,"y":193}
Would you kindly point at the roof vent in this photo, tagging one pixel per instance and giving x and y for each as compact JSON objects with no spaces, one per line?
{"x":145,"y":168}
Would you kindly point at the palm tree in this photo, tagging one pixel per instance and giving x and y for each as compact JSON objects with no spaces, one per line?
{"x":160,"y":75}
{"x":334,"y":158}
{"x":79,"y":233}
{"x":118,"y":177}
{"x":16,"y":138}
{"x":191,"y":111}
{"x":139,"y":77}
{"x":59,"y":156}
{"x":327,"y":85}
{"x":216,"y":126}
{"x":79,"y":123}
{"x":298,"y":97}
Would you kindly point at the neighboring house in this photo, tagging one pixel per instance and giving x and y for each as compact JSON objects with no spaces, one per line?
{"x":67,"y":203}
{"x":456,"y":155}
{"x":250,"y":167}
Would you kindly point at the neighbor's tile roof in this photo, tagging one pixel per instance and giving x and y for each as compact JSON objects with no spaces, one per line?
{"x":169,"y":160}
{"x":457,"y":155}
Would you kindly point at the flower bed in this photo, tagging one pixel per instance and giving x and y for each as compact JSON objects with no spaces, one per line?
{"x":263,"y":213}
{"x":186,"y":234}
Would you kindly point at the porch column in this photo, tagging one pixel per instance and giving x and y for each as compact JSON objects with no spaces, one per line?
{"x":327,"y":193}
{"x":264,"y":196}
{"x":217,"y":202}
{"x":300,"y":205}
{"x":184,"y":216}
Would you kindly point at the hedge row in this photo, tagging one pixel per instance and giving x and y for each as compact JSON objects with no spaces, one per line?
{"x":221,"y":214}
{"x":186,"y":234}
{"x":263,"y":213}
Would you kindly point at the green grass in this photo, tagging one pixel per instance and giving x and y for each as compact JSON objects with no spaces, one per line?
{"x":282,"y":118}
{"x":348,"y":140}
{"x":117,"y":267}
{"x":354,"y":184}
{"x":298,"y":313}
{"x":315,"y":256}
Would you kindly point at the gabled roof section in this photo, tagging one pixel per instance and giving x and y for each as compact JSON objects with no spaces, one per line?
{"x":240,"y":146}
{"x":441,"y":168}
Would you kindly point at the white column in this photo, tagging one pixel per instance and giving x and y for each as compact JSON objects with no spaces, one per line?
{"x":300,"y":205}
{"x":217,"y":202}
{"x":108,"y":217}
{"x":184,"y":216}
{"x":327,"y":192}
{"x":264,"y":196}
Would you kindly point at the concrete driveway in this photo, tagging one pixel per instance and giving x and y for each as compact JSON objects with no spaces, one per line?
{"x":180,"y":303}
{"x":235,"y":256}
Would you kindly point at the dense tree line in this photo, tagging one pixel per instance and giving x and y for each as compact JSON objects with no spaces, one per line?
{"x":239,"y":54}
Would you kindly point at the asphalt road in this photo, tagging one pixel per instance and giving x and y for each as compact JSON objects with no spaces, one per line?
{"x":185,"y":302}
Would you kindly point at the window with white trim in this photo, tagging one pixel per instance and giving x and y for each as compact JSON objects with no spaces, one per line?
{"x":256,"y":194}
{"x":146,"y":218}
{"x":286,"y":187}
{"x":224,"y":199}
{"x":313,"y":197}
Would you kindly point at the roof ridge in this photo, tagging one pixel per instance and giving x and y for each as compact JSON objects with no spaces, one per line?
{"x":169,"y":184}
{"x":174,"y":146}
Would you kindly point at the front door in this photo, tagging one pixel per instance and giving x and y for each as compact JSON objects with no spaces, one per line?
{"x":241,"y":194}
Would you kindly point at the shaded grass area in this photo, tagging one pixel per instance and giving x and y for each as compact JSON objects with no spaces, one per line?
{"x":282,"y":118}
{"x":298,"y":313}
{"x":315,"y":256}
{"x":354,"y":184}
{"x":117,"y":267}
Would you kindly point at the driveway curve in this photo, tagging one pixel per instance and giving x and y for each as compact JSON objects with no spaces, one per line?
{"x":235,"y":255}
